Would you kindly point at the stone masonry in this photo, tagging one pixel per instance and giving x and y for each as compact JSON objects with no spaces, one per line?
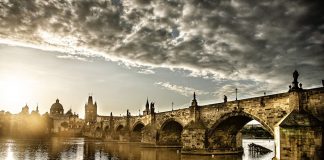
{"x":294,"y":118}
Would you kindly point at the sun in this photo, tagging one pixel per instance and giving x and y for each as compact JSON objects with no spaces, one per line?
{"x":15,"y":91}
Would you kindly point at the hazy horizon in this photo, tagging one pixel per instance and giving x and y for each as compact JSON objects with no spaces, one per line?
{"x":123,"y":52}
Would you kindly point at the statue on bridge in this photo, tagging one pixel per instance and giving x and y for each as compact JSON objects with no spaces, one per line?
{"x":295,"y":83}
{"x":194,"y":101}
{"x":128,"y":113}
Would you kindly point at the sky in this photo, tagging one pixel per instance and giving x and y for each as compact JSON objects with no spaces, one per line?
{"x":125,"y":51}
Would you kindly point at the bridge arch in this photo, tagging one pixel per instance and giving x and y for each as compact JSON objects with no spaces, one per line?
{"x":118,"y":131}
{"x":138,"y":126}
{"x":171,"y":120}
{"x":249,"y":117}
{"x":170,"y":133}
{"x":106,"y":129}
{"x":136,"y":131}
{"x":98,"y":132}
{"x":119,"y":127}
{"x":225,"y":133}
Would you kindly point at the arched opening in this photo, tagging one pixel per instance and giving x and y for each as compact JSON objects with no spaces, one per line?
{"x":119,"y":128}
{"x":98,"y":133}
{"x":106,"y":130}
{"x":170,"y":133}
{"x":231,"y":131}
{"x":137,"y":132}
{"x":118,"y":132}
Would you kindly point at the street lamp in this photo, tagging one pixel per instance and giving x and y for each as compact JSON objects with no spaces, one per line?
{"x":236,"y":94}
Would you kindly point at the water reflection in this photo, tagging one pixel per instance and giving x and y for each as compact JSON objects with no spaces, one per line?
{"x":80,"y":148}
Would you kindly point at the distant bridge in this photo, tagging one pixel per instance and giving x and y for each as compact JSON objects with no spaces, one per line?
{"x":294,"y":118}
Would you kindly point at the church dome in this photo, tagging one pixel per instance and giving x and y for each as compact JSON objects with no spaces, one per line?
{"x":57,"y":108}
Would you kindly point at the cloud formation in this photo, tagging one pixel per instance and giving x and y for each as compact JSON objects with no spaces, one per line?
{"x":74,"y":57}
{"x":185,"y":91}
{"x":256,"y":40}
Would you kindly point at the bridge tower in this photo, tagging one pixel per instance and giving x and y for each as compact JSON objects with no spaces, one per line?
{"x":90,"y":111}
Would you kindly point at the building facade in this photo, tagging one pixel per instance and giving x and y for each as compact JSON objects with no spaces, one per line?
{"x":90,"y":111}
{"x":68,"y":123}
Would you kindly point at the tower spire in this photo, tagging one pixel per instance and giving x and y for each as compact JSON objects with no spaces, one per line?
{"x":147,"y":106}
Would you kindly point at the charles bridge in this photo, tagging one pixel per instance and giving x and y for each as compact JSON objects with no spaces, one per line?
{"x":294,"y":118}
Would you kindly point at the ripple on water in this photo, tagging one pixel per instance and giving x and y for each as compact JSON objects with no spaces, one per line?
{"x":81,"y":148}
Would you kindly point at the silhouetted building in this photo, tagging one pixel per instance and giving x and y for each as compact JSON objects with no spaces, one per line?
{"x":35,"y":112}
{"x":65,"y":124}
{"x":25,"y":110}
{"x":90,"y":111}
{"x":56,"y":109}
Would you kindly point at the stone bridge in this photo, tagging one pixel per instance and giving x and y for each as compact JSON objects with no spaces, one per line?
{"x":294,"y":118}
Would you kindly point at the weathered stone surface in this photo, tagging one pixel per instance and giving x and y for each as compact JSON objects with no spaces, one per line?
{"x":222,"y":122}
{"x":299,"y":136}
{"x":194,"y":136}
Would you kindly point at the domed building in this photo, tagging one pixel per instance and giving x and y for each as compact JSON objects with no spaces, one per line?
{"x":56,"y":109}
{"x":65,"y":123}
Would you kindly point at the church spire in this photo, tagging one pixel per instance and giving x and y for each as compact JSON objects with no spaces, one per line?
{"x":147,"y":106}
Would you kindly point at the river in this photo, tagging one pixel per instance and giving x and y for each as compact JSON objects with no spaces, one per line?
{"x":81,"y":148}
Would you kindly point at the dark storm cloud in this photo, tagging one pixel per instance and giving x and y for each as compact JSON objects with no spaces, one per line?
{"x":257,"y":40}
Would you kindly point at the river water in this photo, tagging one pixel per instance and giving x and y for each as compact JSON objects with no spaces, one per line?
{"x":81,"y":148}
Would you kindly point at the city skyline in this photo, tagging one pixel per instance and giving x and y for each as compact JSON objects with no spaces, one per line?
{"x":125,"y":51}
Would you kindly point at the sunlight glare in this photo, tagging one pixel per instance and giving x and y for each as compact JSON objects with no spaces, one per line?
{"x":10,"y":154}
{"x":15,"y":91}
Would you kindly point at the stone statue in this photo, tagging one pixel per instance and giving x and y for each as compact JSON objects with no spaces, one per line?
{"x":295,"y":83}
{"x":194,"y":101}
{"x":295,"y":75}
{"x":289,"y":88}
{"x":128,"y":113}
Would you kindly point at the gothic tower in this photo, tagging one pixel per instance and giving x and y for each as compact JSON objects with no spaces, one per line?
{"x":147,"y":108}
{"x":90,"y":111}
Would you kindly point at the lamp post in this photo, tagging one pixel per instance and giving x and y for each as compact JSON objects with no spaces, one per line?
{"x":236,"y":94}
